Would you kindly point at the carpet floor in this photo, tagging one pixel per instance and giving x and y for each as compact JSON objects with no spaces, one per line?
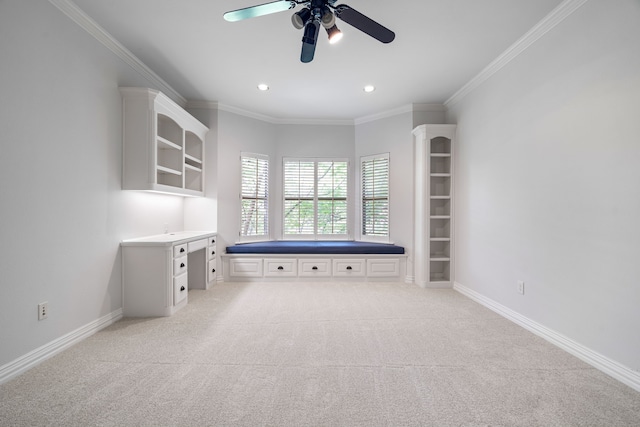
{"x":318,"y":354}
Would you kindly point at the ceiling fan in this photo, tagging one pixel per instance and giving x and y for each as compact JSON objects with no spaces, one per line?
{"x":314,"y":14}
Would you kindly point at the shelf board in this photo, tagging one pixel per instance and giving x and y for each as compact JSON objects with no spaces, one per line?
{"x":193,"y":159}
{"x":440,"y":239}
{"x":440,"y":154}
{"x":162,"y":169}
{"x":441,"y":175}
{"x":440,"y":197}
{"x":191,"y":167}
{"x":440,"y":217}
{"x":166,"y":144}
{"x":439,"y":257}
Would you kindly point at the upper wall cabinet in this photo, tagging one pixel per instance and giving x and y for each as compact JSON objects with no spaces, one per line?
{"x":163,"y":145}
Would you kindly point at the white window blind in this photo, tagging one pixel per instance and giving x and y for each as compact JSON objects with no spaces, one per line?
{"x":375,"y":195}
{"x":315,"y":197}
{"x":255,"y":195}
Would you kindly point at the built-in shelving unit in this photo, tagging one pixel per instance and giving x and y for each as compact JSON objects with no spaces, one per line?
{"x":163,"y":145}
{"x":433,"y":247}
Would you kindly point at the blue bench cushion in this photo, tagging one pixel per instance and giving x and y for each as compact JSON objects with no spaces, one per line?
{"x":334,"y":247}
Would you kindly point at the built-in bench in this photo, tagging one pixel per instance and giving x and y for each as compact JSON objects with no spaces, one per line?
{"x":296,"y":259}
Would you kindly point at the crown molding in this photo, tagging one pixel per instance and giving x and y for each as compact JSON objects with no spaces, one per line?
{"x":278,"y":121}
{"x":385,"y":114}
{"x":559,"y":14}
{"x":78,"y":16}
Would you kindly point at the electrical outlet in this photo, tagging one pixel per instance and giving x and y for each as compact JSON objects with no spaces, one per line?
{"x":43,"y":310}
{"x":520,"y":287}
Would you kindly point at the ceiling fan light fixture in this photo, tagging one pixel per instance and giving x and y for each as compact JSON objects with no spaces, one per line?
{"x":328,"y":19}
{"x":299,"y":19}
{"x":335,"y":35}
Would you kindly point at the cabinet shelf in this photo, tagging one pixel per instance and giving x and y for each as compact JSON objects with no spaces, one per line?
{"x":193,"y":168}
{"x":192,"y":159}
{"x":165,"y":144}
{"x":162,"y":169}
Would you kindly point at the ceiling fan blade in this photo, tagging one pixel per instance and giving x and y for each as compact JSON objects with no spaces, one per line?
{"x":259,"y":10}
{"x":309,"y":41}
{"x":364,"y":23}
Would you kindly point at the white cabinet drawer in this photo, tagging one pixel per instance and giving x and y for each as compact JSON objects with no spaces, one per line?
{"x":314,"y":267}
{"x":211,"y":252}
{"x":280,"y":267}
{"x":211,"y":272}
{"x":179,"y":250}
{"x":245,"y":267}
{"x":180,"y":288}
{"x":383,"y":267}
{"x":197,"y":245}
{"x":212,"y":241}
{"x":349,"y":267}
{"x":179,"y":266}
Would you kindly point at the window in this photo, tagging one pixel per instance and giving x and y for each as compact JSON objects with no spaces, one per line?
{"x":375,"y":196}
{"x":255,"y":196}
{"x":315,"y":198}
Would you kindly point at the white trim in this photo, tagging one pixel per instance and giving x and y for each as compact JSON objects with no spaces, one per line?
{"x":385,"y":114}
{"x":39,"y":355}
{"x":610,"y":367}
{"x":559,"y":14}
{"x":273,"y":120}
{"x":78,"y":16}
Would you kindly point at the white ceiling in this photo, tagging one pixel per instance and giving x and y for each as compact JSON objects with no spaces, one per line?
{"x":440,"y":45}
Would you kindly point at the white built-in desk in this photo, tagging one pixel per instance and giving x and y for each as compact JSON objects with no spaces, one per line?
{"x":158,"y":271}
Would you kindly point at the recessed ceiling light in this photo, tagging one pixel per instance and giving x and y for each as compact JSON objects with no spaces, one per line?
{"x":263,"y":87}
{"x":369,"y":88}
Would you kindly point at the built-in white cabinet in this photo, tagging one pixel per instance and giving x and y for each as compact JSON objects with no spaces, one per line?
{"x":158,"y":271}
{"x":433,"y":216}
{"x":163,"y":145}
{"x":246,"y":267}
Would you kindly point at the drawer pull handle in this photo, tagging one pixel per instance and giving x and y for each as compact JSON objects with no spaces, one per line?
{"x":213,"y":241}
{"x":349,"y":267}
{"x":181,"y":250}
{"x":314,"y":268}
{"x":182,"y":265}
{"x":213,"y":252}
{"x":213,"y":270}
{"x":280,"y":267}
{"x":181,"y":288}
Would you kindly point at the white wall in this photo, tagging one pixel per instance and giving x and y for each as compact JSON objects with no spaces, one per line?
{"x":237,"y":134}
{"x":393,"y":135}
{"x":547,"y":181}
{"x":62,"y":214}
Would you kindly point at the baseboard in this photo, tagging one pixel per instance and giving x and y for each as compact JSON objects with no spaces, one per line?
{"x":610,"y":367}
{"x":39,"y":355}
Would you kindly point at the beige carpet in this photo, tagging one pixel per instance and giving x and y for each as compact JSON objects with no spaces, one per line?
{"x":318,"y":354}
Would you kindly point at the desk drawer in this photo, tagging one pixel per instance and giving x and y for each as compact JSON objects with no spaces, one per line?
{"x":197,"y":245}
{"x":179,"y":266}
{"x":212,"y":270}
{"x":211,"y":252}
{"x":180,"y":289}
{"x":179,"y":250}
